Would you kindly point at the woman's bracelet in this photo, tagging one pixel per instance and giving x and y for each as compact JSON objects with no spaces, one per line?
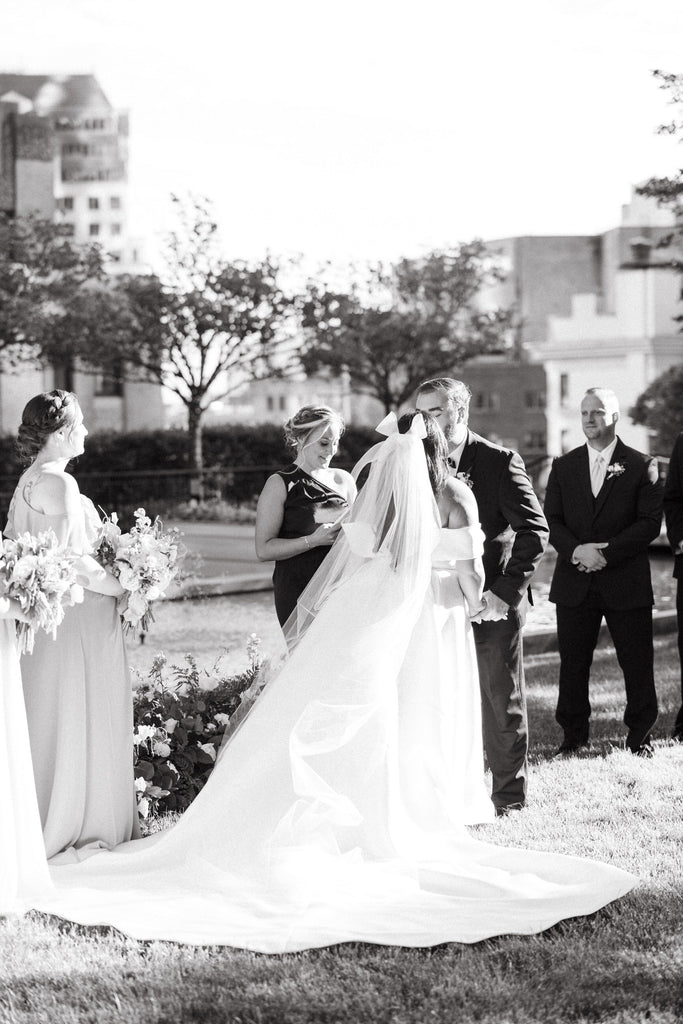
{"x":308,"y":543}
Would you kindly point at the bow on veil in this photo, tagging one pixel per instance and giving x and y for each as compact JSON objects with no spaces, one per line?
{"x":361,"y":536}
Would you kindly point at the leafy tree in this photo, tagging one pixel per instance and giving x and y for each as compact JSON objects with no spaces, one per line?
{"x":660,"y":409}
{"x":668,"y":191}
{"x":49,"y":291}
{"x":205,"y":326}
{"x":416,"y":319}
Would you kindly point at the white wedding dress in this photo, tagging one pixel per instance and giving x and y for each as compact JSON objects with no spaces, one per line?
{"x":24,"y":877}
{"x":335,"y":812}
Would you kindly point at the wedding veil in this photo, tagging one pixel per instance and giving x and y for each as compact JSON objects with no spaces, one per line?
{"x":393,"y":524}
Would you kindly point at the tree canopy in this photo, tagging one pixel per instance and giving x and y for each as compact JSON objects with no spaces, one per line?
{"x":205,"y":325}
{"x":660,"y":407}
{"x":415,"y":319}
{"x":50,"y":291}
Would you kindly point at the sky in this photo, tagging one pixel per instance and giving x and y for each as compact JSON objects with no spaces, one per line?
{"x":369,"y":129}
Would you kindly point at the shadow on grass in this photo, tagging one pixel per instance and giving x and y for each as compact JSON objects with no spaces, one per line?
{"x":606,"y":966}
{"x":608,"y":700}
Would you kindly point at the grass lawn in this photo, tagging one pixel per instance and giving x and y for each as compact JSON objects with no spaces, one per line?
{"x":623,"y":965}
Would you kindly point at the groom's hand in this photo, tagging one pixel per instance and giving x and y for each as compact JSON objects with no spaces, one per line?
{"x":494,"y":609}
{"x":589,"y":557}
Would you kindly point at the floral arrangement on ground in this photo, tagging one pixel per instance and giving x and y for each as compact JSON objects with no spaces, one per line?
{"x":180,"y":715}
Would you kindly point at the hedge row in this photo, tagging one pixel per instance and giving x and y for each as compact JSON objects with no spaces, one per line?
{"x":237,"y":457}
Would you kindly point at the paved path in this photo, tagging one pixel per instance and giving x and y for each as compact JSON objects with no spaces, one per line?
{"x":228,"y":564}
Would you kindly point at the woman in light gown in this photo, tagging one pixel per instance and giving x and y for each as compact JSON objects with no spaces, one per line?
{"x":335,"y":811}
{"x":24,"y":875}
{"x":77,"y":688}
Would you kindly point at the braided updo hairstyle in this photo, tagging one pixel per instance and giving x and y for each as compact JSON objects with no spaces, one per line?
{"x":307,"y":419}
{"x":44,"y":415}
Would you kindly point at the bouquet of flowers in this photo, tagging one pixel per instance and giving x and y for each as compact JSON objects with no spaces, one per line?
{"x":145,"y":562}
{"x":40,"y":575}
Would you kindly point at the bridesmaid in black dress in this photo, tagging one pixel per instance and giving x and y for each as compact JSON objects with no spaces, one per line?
{"x":300,"y":508}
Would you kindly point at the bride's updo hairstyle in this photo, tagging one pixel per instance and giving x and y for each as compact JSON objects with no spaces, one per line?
{"x":436,"y":449}
{"x":44,"y":415}
{"x":309,"y":419}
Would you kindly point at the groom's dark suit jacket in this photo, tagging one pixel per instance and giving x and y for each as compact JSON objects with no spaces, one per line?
{"x":510,"y":515}
{"x":627,"y":513}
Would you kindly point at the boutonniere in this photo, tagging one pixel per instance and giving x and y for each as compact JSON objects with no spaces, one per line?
{"x":616,"y":469}
{"x":466,"y":478}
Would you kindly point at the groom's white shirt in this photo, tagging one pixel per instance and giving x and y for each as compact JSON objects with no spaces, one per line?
{"x":456,"y":454}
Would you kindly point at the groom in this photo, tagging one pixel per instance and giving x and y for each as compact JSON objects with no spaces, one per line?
{"x":516,"y":535}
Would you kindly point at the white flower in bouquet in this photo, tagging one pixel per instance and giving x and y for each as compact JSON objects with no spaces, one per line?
{"x":145,"y":562}
{"x":40,"y":575}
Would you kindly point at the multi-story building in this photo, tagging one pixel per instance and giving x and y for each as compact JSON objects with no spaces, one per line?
{"x":592,"y":310}
{"x":64,"y":154}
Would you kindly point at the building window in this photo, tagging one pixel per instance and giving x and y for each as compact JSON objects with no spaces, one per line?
{"x":69,"y":229}
{"x":534,"y":440}
{"x":66,"y":203}
{"x":564,"y":388}
{"x":93,"y":203}
{"x":109,"y":382}
{"x":487,"y":401}
{"x":282,"y":402}
{"x":116,"y":229}
{"x":534,"y":399}
{"x":63,"y":371}
{"x":270,"y":403}
{"x":114,"y":202}
{"x":94,"y":229}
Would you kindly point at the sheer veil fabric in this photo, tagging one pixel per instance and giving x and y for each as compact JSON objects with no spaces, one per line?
{"x":329,"y":816}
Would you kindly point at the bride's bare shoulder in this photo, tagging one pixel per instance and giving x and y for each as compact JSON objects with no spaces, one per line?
{"x":458,"y":505}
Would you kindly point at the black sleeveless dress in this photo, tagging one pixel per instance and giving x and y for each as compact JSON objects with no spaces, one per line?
{"x":308,"y":504}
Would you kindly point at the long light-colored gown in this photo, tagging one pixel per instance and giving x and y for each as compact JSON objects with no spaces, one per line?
{"x":79,"y":704}
{"x":24,"y":875}
{"x":335,"y":812}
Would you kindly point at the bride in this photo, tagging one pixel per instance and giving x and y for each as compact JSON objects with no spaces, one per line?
{"x":335,"y":812}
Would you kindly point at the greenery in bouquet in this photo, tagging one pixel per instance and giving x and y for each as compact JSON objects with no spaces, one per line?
{"x":180,"y":715}
{"x":40,"y":575}
{"x":145,"y":561}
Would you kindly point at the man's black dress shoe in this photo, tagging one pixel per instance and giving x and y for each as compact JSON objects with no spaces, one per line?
{"x":502,"y":812}
{"x":569,"y":747}
{"x":644,"y":750}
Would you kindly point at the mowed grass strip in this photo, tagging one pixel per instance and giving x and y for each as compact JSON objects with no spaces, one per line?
{"x":623,"y":965}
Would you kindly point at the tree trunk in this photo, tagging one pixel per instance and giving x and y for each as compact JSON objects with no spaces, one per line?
{"x":194,"y":426}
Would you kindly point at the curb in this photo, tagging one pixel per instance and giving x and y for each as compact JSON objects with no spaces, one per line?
{"x":536,"y":641}
{"x":544,"y":641}
{"x":220,"y":586}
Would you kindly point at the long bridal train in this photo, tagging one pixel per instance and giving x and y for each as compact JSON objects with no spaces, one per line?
{"x":335,"y":812}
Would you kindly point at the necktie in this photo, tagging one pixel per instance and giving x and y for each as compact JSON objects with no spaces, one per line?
{"x":597,"y":473}
{"x":452,"y":463}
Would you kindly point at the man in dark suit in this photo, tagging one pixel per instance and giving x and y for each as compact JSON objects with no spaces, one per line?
{"x":516,"y":535}
{"x":673,"y":513}
{"x":604,"y":508}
